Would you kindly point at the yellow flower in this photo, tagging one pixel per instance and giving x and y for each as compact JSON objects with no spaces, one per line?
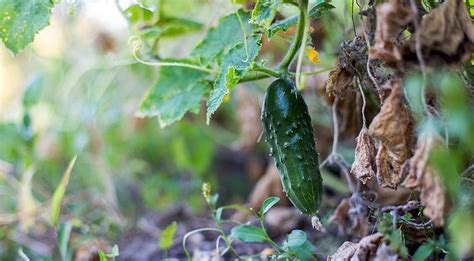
{"x":227,"y":97}
{"x":313,"y":55}
{"x":206,"y":190}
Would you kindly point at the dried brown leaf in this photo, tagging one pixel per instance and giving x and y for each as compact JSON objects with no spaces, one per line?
{"x":364,"y":250}
{"x":364,"y":164}
{"x":248,"y":116}
{"x":392,"y":18}
{"x":393,"y":128}
{"x":446,"y":35}
{"x":350,"y":219}
{"x":338,"y":82}
{"x":425,"y":179}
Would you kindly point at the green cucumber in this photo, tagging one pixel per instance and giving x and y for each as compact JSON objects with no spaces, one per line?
{"x":289,"y":133}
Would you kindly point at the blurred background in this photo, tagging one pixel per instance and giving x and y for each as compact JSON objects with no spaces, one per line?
{"x":76,"y":90}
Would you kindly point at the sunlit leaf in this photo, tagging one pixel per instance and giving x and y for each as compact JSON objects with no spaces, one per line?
{"x":222,"y":37}
{"x":235,"y":65}
{"x":264,"y":12}
{"x":21,"y":20}
{"x":167,"y":236}
{"x":59,"y":193}
{"x":177,"y":91}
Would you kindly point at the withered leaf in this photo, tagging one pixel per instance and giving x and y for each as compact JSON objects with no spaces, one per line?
{"x":392,"y":18}
{"x":349,"y":220}
{"x":446,"y":35}
{"x":248,"y":116}
{"x":338,"y":82}
{"x":364,"y":164}
{"x":393,"y":128}
{"x":425,"y":179}
{"x":364,"y":250}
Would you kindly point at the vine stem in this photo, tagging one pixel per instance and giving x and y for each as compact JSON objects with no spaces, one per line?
{"x":267,"y":71}
{"x":419,"y":56}
{"x":137,"y":45}
{"x":304,"y":8}
{"x":290,"y":55}
{"x":364,"y":103}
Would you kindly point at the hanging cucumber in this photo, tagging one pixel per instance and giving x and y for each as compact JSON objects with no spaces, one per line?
{"x":289,"y":133}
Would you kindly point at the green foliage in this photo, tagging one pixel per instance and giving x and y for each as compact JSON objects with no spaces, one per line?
{"x":167,"y":236}
{"x":248,"y":233}
{"x":21,"y":20}
{"x":235,"y":65}
{"x":59,"y":193}
{"x":268,"y":203}
{"x":228,"y":33}
{"x":298,"y":245}
{"x":423,"y":252}
{"x":32,"y":91}
{"x":177,"y":91}
{"x":264,"y":12}
{"x":316,"y":11}
{"x":113,"y":254}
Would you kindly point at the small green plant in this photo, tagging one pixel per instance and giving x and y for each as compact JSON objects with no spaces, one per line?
{"x":296,"y":244}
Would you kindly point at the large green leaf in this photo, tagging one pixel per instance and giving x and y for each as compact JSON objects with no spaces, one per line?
{"x":224,"y":36}
{"x":315,"y":12}
{"x":177,"y":91}
{"x":264,"y":12}
{"x":248,"y":233}
{"x":235,"y":65}
{"x":21,"y":20}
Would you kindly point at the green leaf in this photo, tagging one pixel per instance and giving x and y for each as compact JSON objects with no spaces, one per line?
{"x":248,"y":233}
{"x":21,"y":20}
{"x":315,"y":12}
{"x":423,"y":252}
{"x":58,"y":195}
{"x":32,"y":91}
{"x":64,"y":233}
{"x":264,"y":12}
{"x":102,"y":256}
{"x":235,"y":65}
{"x":295,"y":239}
{"x":167,"y":235}
{"x":268,"y":203}
{"x":177,"y":91}
{"x":114,"y":252}
{"x":172,"y":26}
{"x":138,"y":13}
{"x":304,"y":251}
{"x":224,"y":36}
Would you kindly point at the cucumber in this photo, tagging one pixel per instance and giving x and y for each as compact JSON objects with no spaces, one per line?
{"x":288,"y":131}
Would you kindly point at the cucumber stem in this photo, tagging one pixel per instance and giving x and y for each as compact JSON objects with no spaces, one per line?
{"x":290,"y":55}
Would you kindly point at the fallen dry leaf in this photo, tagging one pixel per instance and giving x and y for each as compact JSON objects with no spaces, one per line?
{"x":392,"y":17}
{"x":364,"y":250}
{"x":425,"y":179}
{"x":364,"y":164}
{"x":350,"y":220}
{"x":392,"y":127}
{"x":248,"y":116}
{"x":446,"y":35}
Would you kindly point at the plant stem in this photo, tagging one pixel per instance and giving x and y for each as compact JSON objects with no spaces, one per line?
{"x":267,"y":71}
{"x":254,"y":76}
{"x":290,"y":55}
